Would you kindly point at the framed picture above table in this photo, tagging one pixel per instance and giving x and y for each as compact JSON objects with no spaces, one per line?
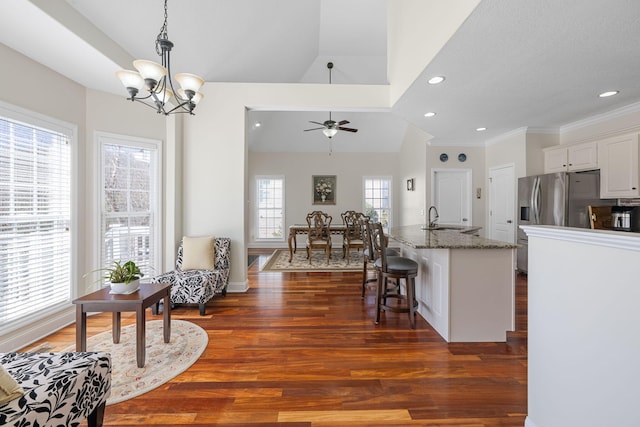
{"x":323,"y":188}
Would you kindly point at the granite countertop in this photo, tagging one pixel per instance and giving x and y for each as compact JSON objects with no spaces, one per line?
{"x":445,"y":237}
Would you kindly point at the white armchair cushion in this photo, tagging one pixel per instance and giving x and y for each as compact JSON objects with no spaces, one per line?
{"x":198,"y":253}
{"x":9,"y":387}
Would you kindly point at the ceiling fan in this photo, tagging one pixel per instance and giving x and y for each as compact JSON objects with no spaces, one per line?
{"x":331,"y":127}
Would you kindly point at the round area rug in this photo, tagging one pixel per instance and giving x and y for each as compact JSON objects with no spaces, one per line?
{"x":163,"y":361}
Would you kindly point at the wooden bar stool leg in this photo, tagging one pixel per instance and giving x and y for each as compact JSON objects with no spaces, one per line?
{"x":379,"y":290}
{"x":411,"y":291}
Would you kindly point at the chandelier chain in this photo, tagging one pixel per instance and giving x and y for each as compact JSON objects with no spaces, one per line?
{"x":163,"y":31}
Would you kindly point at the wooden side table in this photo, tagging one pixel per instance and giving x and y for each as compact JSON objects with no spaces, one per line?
{"x":139,"y":301}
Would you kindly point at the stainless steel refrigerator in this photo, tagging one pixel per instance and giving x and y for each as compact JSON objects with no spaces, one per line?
{"x":556,"y":199}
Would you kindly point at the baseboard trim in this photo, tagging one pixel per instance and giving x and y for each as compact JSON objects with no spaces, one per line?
{"x":35,"y":331}
{"x":238,"y":287}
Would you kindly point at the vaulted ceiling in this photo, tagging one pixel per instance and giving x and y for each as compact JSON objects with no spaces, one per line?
{"x":512,"y":64}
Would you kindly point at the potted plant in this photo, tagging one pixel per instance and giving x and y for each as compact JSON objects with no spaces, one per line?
{"x":124,"y":278}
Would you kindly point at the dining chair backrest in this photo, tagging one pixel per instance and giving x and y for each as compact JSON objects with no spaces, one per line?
{"x":318,"y":223}
{"x":352,"y":221}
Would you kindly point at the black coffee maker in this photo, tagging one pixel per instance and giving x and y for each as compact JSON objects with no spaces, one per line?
{"x":625,"y":218}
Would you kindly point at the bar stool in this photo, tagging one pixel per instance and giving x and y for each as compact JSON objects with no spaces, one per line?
{"x":397,"y":268}
{"x":369,"y":253}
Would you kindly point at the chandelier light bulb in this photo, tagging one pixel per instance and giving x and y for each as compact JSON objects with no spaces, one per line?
{"x":130,"y":79}
{"x":189,"y":81}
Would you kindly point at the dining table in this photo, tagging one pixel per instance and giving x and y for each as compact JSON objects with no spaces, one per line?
{"x":296,"y":229}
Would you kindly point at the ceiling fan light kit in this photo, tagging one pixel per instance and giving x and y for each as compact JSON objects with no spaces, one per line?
{"x":330,"y":127}
{"x":156,"y":79}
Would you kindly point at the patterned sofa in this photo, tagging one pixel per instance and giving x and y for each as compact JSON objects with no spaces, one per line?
{"x":199,"y":286}
{"x":60,"y":389}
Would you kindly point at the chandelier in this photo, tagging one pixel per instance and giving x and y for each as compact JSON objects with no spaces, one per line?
{"x":156,"y":80}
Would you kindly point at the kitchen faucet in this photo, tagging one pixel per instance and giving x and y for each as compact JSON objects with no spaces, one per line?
{"x":432,"y":223}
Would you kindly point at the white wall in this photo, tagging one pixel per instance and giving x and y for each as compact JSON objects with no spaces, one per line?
{"x":475,"y":161}
{"x":412,"y":165}
{"x":417,"y":30}
{"x":298,"y":168}
{"x":583,"y":319}
{"x":535,"y":142}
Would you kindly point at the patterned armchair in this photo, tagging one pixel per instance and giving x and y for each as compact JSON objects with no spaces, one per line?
{"x":60,"y":389}
{"x":198,"y":286}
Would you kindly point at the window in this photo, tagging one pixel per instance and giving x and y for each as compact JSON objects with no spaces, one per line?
{"x":377,"y":199}
{"x":270,"y":208}
{"x":130,"y":200}
{"x":35,"y":216}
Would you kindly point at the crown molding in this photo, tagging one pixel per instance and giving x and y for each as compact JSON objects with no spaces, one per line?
{"x":618,"y":112}
{"x":516,"y":132}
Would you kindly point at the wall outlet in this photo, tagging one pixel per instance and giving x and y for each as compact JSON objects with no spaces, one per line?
{"x":421,"y":212}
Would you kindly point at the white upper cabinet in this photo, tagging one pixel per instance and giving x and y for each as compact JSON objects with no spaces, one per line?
{"x":571,"y":158}
{"x":619,"y":163}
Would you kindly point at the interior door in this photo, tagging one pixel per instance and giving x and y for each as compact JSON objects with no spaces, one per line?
{"x":501,"y":203}
{"x":451,"y":195}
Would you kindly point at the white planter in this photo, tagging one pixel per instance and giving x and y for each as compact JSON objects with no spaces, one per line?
{"x":125,"y":288}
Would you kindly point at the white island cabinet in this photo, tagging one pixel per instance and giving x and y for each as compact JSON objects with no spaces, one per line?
{"x":584,"y":327}
{"x":465,"y":284}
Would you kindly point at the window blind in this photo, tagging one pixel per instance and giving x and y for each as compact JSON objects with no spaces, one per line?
{"x":35,"y":221}
{"x":129,"y":204}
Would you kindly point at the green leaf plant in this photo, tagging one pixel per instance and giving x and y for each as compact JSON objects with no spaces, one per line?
{"x":120,"y":273}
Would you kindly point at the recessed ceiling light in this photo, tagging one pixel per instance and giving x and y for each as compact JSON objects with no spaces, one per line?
{"x":435,"y":80}
{"x":609,"y":93}
{"x":481,"y":129}
{"x":429,"y":114}
{"x":258,"y":124}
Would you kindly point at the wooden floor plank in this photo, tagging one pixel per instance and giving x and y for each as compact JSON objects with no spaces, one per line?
{"x":301,"y":350}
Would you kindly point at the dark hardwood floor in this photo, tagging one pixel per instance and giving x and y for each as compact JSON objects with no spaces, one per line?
{"x":301,"y":349}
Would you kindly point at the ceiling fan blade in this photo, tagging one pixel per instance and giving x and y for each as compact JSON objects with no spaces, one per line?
{"x":343,"y":122}
{"x":316,"y":123}
{"x":347,"y":129}
{"x":314,"y":129}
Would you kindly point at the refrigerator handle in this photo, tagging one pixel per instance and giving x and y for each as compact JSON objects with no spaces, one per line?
{"x":535,"y":201}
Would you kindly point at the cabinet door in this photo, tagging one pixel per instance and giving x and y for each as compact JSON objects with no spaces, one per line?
{"x":619,"y":167}
{"x":583,"y":156}
{"x":555,"y":160}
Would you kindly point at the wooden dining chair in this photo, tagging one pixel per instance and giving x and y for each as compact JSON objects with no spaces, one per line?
{"x":353,"y":238}
{"x":318,"y":234}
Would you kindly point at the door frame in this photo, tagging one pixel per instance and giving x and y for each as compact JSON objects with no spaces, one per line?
{"x":491,"y":200}
{"x":468,"y":183}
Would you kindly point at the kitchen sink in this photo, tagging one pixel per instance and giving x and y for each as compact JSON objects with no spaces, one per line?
{"x":441,"y":227}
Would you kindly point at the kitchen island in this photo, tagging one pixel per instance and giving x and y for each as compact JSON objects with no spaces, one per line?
{"x":466,"y":283}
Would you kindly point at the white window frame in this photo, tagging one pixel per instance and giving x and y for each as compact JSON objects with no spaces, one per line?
{"x":257,"y":209}
{"x":31,"y":324}
{"x":364,"y":196}
{"x":103,"y":138}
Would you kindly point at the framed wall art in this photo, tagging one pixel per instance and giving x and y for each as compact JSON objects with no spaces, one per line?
{"x":324,"y":189}
{"x":410,"y":184}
